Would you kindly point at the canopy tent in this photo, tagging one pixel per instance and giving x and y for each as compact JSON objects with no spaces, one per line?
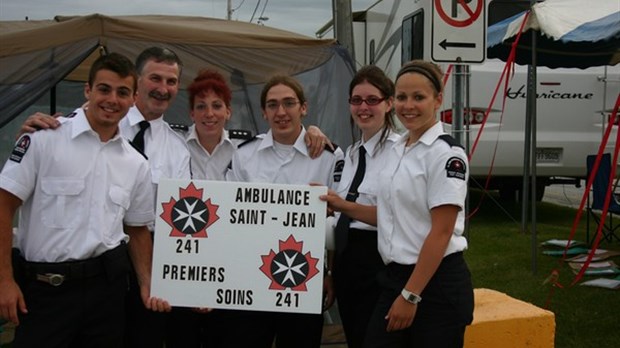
{"x":569,"y":33}
{"x":36,"y":55}
{"x":555,"y":33}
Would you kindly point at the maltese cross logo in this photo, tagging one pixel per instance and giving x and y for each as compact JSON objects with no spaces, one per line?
{"x":289,"y":268}
{"x":190,"y":215}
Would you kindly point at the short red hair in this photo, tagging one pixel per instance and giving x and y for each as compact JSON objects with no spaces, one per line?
{"x":206,"y":80}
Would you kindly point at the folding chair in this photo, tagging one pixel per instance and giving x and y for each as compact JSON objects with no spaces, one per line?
{"x":600,"y":186}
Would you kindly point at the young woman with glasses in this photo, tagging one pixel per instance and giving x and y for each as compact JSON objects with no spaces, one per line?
{"x":357,"y":261}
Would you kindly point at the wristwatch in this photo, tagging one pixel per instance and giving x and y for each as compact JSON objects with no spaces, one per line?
{"x":411,"y":297}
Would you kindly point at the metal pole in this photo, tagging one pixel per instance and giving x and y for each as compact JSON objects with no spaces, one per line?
{"x":529,"y":158}
{"x":457,"y":103}
{"x":527,"y":146}
{"x":466,"y":143}
{"x":343,"y":24}
{"x":229,"y":9}
{"x":534,"y":157}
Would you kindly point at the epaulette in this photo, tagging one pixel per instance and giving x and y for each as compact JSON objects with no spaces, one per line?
{"x":179,"y":127}
{"x":61,"y":119}
{"x":248,"y":141}
{"x":450,"y":140}
{"x":239,"y":134}
{"x":138,"y":150}
{"x":327,"y":148}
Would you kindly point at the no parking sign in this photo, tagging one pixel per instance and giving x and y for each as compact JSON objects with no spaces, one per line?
{"x":458,"y":32}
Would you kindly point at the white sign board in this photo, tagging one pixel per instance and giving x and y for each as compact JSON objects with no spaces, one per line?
{"x":239,"y":245}
{"x":458,"y":33}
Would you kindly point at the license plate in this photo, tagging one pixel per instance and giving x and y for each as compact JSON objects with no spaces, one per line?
{"x":548,"y":155}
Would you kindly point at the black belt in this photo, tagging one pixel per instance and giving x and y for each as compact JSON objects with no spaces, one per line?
{"x":360,"y":233}
{"x":56,"y":273}
{"x":397,"y":267}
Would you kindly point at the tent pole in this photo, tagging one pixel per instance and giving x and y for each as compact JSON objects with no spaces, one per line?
{"x":530,"y":158}
{"x":527,"y":146}
{"x":53,"y":100}
{"x":533,"y":155}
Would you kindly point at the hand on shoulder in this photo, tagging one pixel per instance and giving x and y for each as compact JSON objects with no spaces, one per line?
{"x":39,"y":121}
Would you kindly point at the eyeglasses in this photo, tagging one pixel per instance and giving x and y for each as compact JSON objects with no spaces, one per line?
{"x":274,"y":105}
{"x":370,"y":101}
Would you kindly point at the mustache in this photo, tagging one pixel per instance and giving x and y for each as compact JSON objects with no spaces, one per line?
{"x":160,"y":96}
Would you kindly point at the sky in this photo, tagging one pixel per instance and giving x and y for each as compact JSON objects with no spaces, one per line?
{"x":300,"y":16}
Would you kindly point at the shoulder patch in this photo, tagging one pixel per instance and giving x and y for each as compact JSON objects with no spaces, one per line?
{"x":20,"y":149}
{"x":329,"y":149}
{"x":456,"y":168}
{"x":179,"y":127}
{"x":138,"y":150}
{"x":239,"y":134}
{"x":248,"y":141}
{"x":71,"y":115}
{"x":338,"y":170}
{"x":450,"y":140}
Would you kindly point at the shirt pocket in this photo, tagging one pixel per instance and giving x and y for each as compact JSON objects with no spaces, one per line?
{"x":62,"y":203}
{"x":368,"y":192}
{"x":116,"y":207}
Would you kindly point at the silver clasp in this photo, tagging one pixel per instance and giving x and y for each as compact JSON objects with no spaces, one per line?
{"x":52,"y":279}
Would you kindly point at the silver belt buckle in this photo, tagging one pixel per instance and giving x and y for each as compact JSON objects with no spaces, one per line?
{"x":52,"y":279}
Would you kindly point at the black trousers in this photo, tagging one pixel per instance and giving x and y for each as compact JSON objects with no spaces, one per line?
{"x":188,"y":329}
{"x":260,"y":329}
{"x":86,"y":310}
{"x":446,"y":309}
{"x":355,"y":279}
{"x":145,"y":328}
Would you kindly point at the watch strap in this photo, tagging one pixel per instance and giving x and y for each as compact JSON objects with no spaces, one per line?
{"x":411,"y":297}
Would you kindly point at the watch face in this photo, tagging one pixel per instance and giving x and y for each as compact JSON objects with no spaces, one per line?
{"x":411,"y":297}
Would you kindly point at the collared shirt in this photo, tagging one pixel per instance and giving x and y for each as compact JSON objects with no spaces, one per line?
{"x":376,"y":155}
{"x":266,"y":161}
{"x":166,"y":149}
{"x":76,"y":191}
{"x":416,"y":179}
{"x":210,"y":166}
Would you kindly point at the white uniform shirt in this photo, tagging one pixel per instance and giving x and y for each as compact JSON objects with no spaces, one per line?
{"x":375,"y":162}
{"x":416,"y":179}
{"x":77,"y":192}
{"x":262,"y":161}
{"x":206,"y":166}
{"x":166,"y":150}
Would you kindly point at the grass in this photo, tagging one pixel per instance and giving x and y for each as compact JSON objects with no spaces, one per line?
{"x":500,"y":258}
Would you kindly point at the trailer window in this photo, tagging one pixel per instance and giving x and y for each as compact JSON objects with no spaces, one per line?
{"x":412,"y":33}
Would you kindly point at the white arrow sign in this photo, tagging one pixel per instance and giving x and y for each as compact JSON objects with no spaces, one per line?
{"x":458,"y":32}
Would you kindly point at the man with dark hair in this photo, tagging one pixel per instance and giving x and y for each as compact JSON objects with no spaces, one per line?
{"x":159,"y":73}
{"x":84,"y":193}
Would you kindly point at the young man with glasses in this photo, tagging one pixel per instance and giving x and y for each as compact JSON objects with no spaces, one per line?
{"x":281,"y":156}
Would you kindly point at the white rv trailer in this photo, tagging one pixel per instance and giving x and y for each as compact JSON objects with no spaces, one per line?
{"x":572,"y":108}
